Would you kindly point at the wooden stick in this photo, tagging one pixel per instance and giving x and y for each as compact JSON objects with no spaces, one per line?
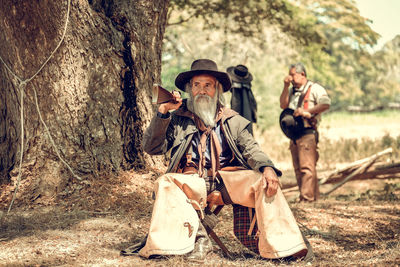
{"x":357,"y":164}
{"x":218,"y":241}
{"x":376,"y":171}
{"x":360,"y":169}
{"x":371,"y":173}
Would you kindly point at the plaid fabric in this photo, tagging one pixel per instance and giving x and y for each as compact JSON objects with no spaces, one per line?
{"x":241,"y":225}
{"x":241,"y":216}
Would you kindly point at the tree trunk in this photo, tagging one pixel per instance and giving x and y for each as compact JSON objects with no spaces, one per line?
{"x":93,"y":93}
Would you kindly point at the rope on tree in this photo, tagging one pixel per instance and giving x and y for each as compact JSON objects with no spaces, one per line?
{"x":22,"y":83}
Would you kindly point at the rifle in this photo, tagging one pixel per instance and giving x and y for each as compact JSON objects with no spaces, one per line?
{"x":161,"y":95}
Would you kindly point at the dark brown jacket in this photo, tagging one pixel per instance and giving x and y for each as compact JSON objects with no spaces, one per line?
{"x":176,"y":132}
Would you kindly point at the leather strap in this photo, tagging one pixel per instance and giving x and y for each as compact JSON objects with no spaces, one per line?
{"x":305,"y":101}
{"x":253,"y":221}
{"x":304,"y":96}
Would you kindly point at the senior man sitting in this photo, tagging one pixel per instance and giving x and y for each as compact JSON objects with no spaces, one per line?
{"x":214,"y":160}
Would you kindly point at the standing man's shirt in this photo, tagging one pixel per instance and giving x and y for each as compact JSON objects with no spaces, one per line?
{"x":318,"y":95}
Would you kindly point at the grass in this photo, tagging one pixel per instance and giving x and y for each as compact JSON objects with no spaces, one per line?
{"x":377,"y":117}
{"x":344,"y":137}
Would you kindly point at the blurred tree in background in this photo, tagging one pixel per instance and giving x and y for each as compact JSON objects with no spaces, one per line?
{"x":387,"y":76}
{"x":330,"y":37}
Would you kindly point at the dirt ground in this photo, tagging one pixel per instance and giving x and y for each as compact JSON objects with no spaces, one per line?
{"x":88,"y":225}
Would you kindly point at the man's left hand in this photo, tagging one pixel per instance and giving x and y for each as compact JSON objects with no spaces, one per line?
{"x":302,"y":112}
{"x":270,"y":181}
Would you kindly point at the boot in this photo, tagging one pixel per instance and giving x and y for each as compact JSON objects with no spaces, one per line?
{"x":202,"y":246}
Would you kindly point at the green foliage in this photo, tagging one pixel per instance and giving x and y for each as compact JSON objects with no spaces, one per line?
{"x":247,"y":17}
{"x":386,"y":78}
{"x":345,"y":66}
{"x":341,"y":23}
{"x":169,"y":76}
{"x":329,"y":36}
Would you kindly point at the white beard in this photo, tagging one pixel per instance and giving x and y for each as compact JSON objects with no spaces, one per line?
{"x":205,"y":108}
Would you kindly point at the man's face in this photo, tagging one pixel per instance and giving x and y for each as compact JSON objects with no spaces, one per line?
{"x":204,"y":98}
{"x":204,"y":84}
{"x":298,"y":79}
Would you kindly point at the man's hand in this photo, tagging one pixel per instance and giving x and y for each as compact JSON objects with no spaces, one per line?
{"x":302,"y":112}
{"x":270,"y":181}
{"x":284,"y":98}
{"x":172,"y":105}
{"x":288,"y":79}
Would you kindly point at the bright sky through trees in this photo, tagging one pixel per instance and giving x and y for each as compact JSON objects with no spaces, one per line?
{"x":385,"y":17}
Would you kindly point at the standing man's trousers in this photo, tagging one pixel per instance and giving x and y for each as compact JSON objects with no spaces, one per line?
{"x":304,"y":156}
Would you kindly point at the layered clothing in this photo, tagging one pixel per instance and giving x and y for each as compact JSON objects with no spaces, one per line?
{"x":243,"y":101}
{"x":279,"y":234}
{"x":304,"y":150}
{"x":176,"y":133}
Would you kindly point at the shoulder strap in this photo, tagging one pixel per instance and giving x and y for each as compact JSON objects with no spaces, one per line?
{"x":304,"y":97}
{"x":307,"y":97}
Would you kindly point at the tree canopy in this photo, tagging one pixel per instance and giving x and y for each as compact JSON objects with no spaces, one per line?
{"x":330,"y":37}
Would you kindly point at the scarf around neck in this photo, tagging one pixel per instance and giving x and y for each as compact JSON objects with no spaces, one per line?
{"x":216,"y":148}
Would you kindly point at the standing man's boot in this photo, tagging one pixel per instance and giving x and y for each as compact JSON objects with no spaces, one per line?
{"x":202,"y":246}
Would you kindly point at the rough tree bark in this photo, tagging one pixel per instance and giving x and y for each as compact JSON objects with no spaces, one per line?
{"x":94,"y":93}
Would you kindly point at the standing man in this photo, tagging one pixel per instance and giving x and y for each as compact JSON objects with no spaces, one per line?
{"x":307,"y":100}
{"x":214,"y":161}
{"x":243,"y":101}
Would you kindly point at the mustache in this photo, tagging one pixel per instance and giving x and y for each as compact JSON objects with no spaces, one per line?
{"x":200,"y":97}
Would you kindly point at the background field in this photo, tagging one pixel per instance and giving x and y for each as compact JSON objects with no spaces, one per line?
{"x":344,"y":137}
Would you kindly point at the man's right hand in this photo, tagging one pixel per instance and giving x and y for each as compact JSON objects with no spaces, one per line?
{"x":284,"y":98}
{"x":172,"y":105}
{"x":288,"y":79}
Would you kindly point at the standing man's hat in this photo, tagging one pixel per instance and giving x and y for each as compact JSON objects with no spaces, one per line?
{"x":240,"y":74}
{"x":203,"y":66}
{"x":291,"y":126}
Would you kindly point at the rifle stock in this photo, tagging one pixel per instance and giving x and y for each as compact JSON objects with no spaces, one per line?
{"x":161,"y":95}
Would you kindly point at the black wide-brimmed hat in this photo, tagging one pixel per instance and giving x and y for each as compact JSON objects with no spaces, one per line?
{"x":291,"y":126}
{"x":203,"y":66}
{"x":239,"y":74}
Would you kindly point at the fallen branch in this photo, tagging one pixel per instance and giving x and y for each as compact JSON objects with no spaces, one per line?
{"x":362,"y":169}
{"x":366,"y":168}
{"x":355,"y":165}
{"x":376,"y":171}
